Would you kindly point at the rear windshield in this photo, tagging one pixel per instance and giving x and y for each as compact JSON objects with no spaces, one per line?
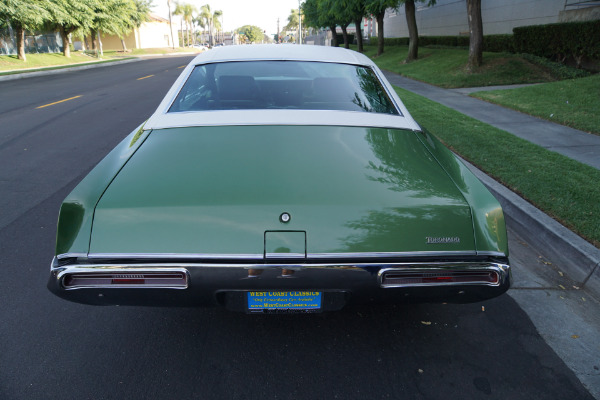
{"x":283,"y":85}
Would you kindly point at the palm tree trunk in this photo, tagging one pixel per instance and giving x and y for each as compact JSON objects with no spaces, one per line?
{"x":182,"y":38}
{"x":171,"y":24}
{"x":188,"y":32}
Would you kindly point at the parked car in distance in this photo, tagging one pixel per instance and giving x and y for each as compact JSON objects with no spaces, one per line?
{"x":275,"y":179}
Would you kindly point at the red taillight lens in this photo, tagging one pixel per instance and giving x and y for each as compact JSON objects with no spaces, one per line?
{"x":416,"y":278}
{"x":146,"y":279}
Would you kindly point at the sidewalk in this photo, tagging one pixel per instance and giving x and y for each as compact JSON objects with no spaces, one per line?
{"x":581,"y":146}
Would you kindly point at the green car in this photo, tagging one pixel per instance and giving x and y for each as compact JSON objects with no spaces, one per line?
{"x":275,"y":179}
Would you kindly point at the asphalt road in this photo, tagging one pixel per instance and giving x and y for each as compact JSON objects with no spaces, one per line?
{"x":53,"y":349}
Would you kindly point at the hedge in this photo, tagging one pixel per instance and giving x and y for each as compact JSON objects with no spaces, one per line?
{"x":340,"y":38}
{"x":559,"y":42}
{"x":496,"y":43}
{"x":562,"y":41}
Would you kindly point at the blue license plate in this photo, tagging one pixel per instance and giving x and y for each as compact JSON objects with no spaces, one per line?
{"x":284,"y":301}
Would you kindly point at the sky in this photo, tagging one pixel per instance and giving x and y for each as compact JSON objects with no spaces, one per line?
{"x":237,"y":13}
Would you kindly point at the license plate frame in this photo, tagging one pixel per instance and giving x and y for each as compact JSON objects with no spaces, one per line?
{"x":284,"y":302}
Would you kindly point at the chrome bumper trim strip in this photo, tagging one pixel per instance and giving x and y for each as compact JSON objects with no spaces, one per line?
{"x":503,"y":270}
{"x":253,"y":257}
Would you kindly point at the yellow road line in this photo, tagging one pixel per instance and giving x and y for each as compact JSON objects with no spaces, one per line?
{"x":139,"y":79}
{"x":183,"y":66}
{"x":56,"y":102}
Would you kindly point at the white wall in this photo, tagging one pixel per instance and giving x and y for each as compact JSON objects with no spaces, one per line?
{"x":449,"y":17}
{"x":155,"y":34}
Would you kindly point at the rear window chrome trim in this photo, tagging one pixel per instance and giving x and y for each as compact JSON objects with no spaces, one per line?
{"x":280,"y":117}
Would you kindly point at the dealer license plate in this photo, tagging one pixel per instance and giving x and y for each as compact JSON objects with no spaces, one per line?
{"x":284,"y":302}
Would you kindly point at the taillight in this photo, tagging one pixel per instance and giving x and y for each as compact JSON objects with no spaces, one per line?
{"x":145,"y":279}
{"x":424,"y":278}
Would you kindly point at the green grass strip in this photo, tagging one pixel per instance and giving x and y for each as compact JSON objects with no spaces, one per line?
{"x":561,"y":187}
{"x":446,"y":67}
{"x":74,"y":65}
{"x":573,"y":102}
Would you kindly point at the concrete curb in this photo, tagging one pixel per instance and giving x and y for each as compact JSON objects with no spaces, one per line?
{"x":579,"y":259}
{"x":33,"y":74}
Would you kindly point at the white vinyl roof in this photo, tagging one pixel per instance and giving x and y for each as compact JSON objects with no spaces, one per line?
{"x":162,"y":119}
{"x":282,"y":52}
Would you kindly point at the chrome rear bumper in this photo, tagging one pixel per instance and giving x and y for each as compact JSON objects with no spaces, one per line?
{"x":198,"y":284}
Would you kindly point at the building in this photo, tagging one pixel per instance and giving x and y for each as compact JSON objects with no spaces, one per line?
{"x":156,"y":33}
{"x":449,"y":17}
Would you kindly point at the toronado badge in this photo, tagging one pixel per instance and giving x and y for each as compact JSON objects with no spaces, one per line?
{"x":440,"y":240}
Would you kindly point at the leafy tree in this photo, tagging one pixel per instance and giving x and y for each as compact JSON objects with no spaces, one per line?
{"x":345,"y":12}
{"x":310,"y":10}
{"x":475,"y":34}
{"x":140,"y":13}
{"x":356,"y":9}
{"x":67,"y":16}
{"x":24,"y":15}
{"x":377,"y":8}
{"x":339,"y":15}
{"x":253,"y":33}
{"x":317,"y":16}
{"x":293,"y":20}
{"x":112,"y":17}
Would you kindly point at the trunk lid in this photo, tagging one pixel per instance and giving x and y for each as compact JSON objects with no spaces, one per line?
{"x":217,"y":190}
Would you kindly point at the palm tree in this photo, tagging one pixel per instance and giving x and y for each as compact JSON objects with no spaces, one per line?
{"x":179,"y":11}
{"x":186,"y":11}
{"x":206,"y":17}
{"x":216,"y":21}
{"x":202,"y":23}
{"x":211,"y":19}
{"x":188,"y":16}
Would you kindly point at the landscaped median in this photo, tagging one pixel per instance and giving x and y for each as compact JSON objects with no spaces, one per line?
{"x":565,"y":95}
{"x":563,"y":188}
{"x":572,"y":102}
{"x":446,"y":67}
